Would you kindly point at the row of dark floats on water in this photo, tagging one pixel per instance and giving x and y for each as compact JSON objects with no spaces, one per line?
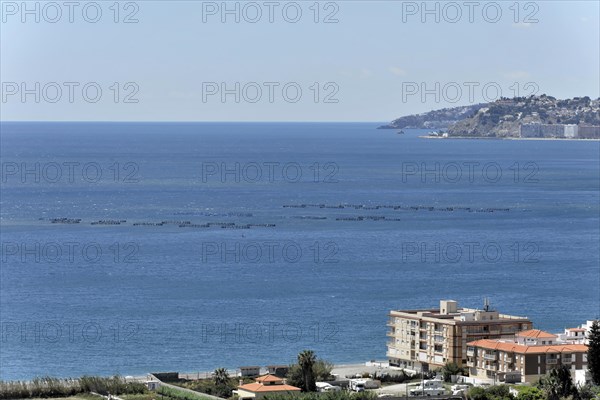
{"x":234,"y":225}
{"x":180,"y":224}
{"x":397,"y":207}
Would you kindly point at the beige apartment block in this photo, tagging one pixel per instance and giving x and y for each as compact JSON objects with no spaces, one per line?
{"x":429,"y":338}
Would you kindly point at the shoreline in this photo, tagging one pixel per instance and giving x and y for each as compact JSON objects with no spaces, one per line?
{"x":508,"y":138}
{"x":345,"y":368}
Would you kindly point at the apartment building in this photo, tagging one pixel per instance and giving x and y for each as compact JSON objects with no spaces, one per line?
{"x":530,"y":355}
{"x":429,"y":338}
{"x":578,"y":335}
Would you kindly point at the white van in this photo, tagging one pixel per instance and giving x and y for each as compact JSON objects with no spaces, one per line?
{"x":459,"y":390}
{"x":357,"y":385}
{"x":431,"y":387}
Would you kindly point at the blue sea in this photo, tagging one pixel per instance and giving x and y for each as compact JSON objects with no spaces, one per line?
{"x":137,"y":247}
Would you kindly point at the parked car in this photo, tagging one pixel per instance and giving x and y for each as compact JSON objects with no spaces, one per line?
{"x":327,"y":387}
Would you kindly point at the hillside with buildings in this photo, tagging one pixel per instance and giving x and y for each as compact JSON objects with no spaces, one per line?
{"x":435,"y":119}
{"x":529,"y":117}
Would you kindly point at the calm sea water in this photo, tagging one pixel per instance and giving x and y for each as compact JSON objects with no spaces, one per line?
{"x":514,"y":221}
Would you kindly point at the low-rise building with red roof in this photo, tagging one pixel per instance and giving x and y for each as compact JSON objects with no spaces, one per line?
{"x":515,"y":361}
{"x":264,"y":385}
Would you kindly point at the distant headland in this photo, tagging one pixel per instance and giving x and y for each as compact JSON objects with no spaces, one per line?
{"x":540,"y":117}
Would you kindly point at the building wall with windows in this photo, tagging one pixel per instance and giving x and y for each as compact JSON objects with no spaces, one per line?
{"x":509,"y":362}
{"x":429,"y":338}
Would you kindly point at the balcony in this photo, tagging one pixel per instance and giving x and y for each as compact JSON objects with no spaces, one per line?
{"x":470,"y":363}
{"x":470,"y":353}
{"x":567,"y":360}
{"x":489,"y":357}
{"x":551,"y":360}
{"x":394,"y":354}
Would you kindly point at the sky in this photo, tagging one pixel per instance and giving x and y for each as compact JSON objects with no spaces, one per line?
{"x":287,"y":61}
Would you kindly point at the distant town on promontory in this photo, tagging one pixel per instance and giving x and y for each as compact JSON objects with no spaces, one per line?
{"x":520,"y":117}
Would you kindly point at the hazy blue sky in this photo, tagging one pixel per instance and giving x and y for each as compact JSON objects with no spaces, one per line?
{"x":374,"y":61}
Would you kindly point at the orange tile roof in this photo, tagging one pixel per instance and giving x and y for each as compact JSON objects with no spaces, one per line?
{"x":535,"y":333}
{"x":259,"y":387}
{"x":522,"y":349}
{"x":268,"y":378}
{"x":576,"y":329}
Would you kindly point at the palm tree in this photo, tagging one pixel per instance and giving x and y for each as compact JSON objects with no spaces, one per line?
{"x":221,"y":377}
{"x":558,"y":383}
{"x":306,"y":360}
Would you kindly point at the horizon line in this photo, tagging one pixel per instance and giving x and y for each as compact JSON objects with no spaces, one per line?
{"x":191,"y":121}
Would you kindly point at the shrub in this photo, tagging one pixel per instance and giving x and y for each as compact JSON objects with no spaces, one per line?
{"x":530,"y":393}
{"x":477,"y":393}
{"x":179,"y":394}
{"x":48,"y":387}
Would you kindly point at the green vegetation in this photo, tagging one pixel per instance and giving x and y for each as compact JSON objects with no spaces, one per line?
{"x":308,"y":370}
{"x":115,"y":385}
{"x":221,"y":377}
{"x":450,"y":369}
{"x":143,"y":396}
{"x":499,"y":392}
{"x":530,"y":393}
{"x":306,"y":360}
{"x":82,"y":396}
{"x":558,"y":384}
{"x":588,"y":392}
{"x":555,"y":385}
{"x":594,"y":353}
{"x":223,"y":385}
{"x":39,"y":387}
{"x":177,"y":394}
{"x":217,"y":386}
{"x":321,"y":370}
{"x":323,"y":396}
{"x":401,"y":377}
{"x":48,"y":387}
